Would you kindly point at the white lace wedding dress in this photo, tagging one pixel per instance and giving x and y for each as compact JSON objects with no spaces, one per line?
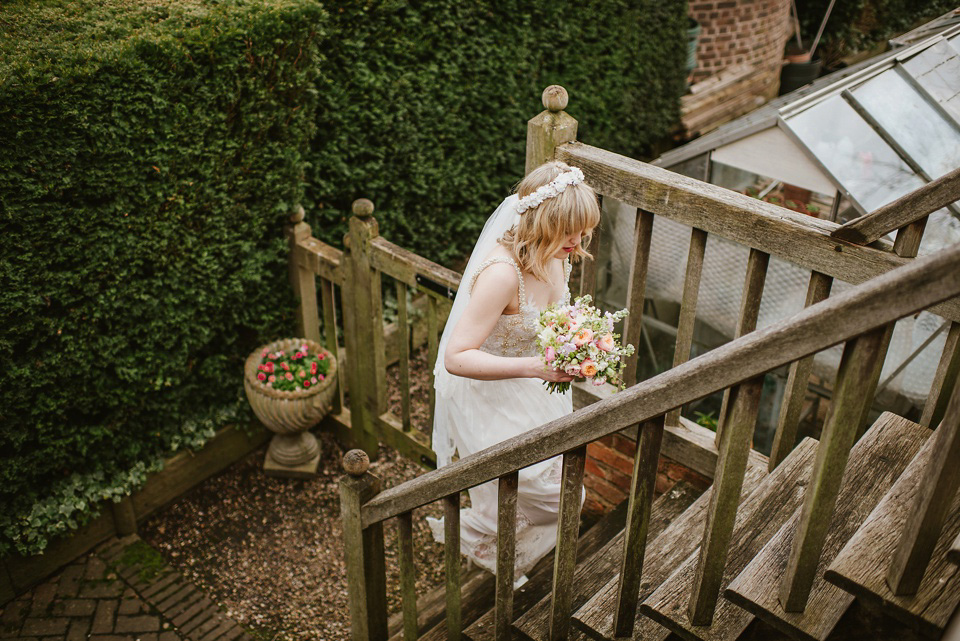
{"x":479,"y":414}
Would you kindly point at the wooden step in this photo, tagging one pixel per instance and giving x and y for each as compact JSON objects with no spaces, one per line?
{"x":875,"y":462}
{"x":596,"y":570}
{"x":759,"y":517}
{"x":480,"y":627}
{"x":861,"y":566}
{"x":664,"y":553}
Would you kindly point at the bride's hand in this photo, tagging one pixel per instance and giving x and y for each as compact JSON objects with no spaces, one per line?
{"x":550,"y":374}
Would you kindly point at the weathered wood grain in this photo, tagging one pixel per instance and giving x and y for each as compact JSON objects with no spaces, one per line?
{"x":568,"y":526}
{"x":551,"y":127}
{"x":877,"y":460}
{"x":476,"y":596}
{"x":365,"y":562}
{"x":330,"y":337}
{"x":506,"y":554}
{"x":861,"y":565}
{"x":734,"y":448}
{"x":637,"y":531}
{"x":763,"y":512}
{"x":756,"y":276}
{"x":944,"y":378}
{"x":404,"y":266}
{"x":633,"y":324}
{"x":666,"y":551}
{"x":798,"y":238}
{"x":688,"y":306}
{"x":537,"y":589}
{"x":403,"y":345}
{"x":903,"y":211}
{"x":322,"y":259}
{"x":953,"y":554}
{"x":907,"y":242}
{"x":859,"y":360}
{"x":798,"y":376}
{"x":408,"y":578}
{"x":915,"y":286}
{"x":451,"y":557}
{"x":941,"y":478}
{"x":596,"y":569}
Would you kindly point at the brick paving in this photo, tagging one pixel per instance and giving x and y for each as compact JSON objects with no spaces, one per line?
{"x":120,"y":591}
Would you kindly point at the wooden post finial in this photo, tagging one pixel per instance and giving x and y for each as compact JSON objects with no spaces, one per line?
{"x":356,"y":462}
{"x":298,"y":214}
{"x":555,"y":98}
{"x":363,"y":207}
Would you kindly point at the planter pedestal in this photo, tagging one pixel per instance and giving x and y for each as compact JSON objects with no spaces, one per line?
{"x":289,"y":456}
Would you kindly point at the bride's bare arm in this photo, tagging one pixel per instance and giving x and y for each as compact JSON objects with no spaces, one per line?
{"x":495,"y":288}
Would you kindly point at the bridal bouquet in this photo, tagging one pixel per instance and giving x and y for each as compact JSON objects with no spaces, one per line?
{"x":579,"y":340}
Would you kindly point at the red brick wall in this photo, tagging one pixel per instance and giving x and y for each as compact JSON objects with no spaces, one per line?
{"x":740,"y":31}
{"x":609,"y":467}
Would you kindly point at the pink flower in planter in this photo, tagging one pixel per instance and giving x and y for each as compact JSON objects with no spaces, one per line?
{"x":289,"y":376}
{"x":313,"y":367}
{"x":285,"y":366}
{"x":321,"y":356}
{"x":272,"y":378}
{"x":306,"y":383}
{"x":268,"y":368}
{"x":262,"y":376}
{"x":264,"y":354}
{"x":302,"y":374}
{"x":303,"y":348}
{"x":314,"y":380}
{"x":321,"y":376}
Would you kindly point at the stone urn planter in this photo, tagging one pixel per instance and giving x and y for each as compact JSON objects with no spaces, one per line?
{"x":293,"y":451}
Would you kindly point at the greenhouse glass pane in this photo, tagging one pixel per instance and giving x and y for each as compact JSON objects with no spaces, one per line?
{"x":854,"y":153}
{"x":937,"y":70}
{"x":932,"y":141}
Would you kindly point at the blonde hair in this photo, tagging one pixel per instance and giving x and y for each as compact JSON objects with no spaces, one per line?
{"x":541,"y":231}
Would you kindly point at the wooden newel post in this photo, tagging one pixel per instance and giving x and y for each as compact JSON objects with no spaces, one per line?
{"x":550,"y":128}
{"x":302,"y":277}
{"x":363,"y":328}
{"x":363,"y":551}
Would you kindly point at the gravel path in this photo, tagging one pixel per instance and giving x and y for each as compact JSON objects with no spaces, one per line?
{"x":271,"y":550}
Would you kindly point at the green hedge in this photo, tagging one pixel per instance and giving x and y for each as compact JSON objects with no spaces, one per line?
{"x":424,"y":110}
{"x":151,"y":152}
{"x":149,"y":158}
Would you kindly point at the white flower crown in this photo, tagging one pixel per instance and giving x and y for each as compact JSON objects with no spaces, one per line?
{"x":552,"y":189}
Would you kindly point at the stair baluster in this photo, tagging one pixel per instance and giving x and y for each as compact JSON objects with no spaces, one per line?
{"x":688,"y":307}
{"x":747,"y":322}
{"x":650,"y":436}
{"x":408,"y":579}
{"x":568,"y":526}
{"x":946,"y":375}
{"x":941,"y":478}
{"x":732,"y":457}
{"x":860,"y":355}
{"x":451,"y":558}
{"x":506,"y":553}
{"x":797,"y":378}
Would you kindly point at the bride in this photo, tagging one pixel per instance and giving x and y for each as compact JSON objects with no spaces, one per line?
{"x":488,"y":378}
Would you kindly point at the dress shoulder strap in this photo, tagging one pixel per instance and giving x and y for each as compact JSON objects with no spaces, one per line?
{"x":521,"y":295}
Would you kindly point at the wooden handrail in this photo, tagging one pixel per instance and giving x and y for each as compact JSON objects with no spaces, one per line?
{"x":918,"y":285}
{"x":907,"y":209}
{"x":784,"y":234}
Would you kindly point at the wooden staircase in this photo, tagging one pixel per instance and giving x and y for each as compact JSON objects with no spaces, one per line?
{"x":880,"y":478}
{"x":852,"y":527}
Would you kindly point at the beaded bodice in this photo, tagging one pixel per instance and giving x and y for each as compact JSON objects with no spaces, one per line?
{"x":515,"y":334}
